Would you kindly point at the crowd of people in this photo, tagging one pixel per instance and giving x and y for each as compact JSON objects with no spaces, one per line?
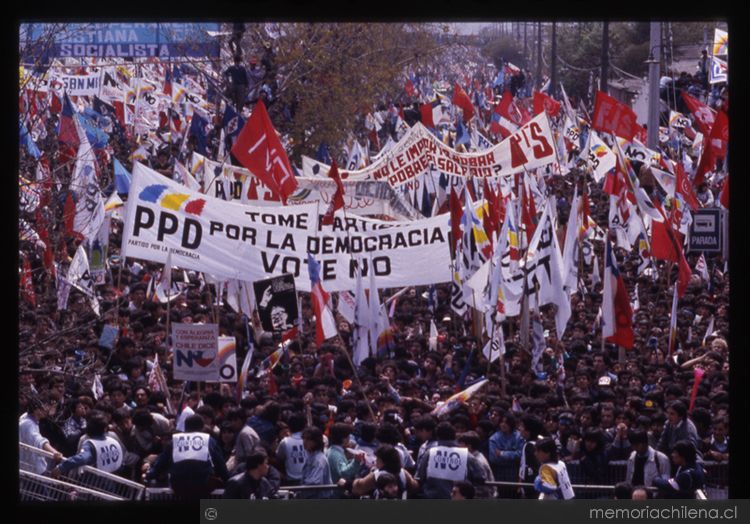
{"x":314,"y":421}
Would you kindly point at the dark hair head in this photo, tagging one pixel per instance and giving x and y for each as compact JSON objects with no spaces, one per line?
{"x":686,"y":450}
{"x":470,"y":438}
{"x":271,"y":412}
{"x":445,"y":431}
{"x":385,"y":479}
{"x":339,"y":433}
{"x":193,"y":423}
{"x":367,"y":431}
{"x":547,"y":445}
{"x":142,"y":418}
{"x":96,"y":423}
{"x":34,"y":403}
{"x":597,"y":436}
{"x":315,"y":435}
{"x":509,"y":419}
{"x":297,"y":422}
{"x":236,"y":414}
{"x":426,"y":422}
{"x":121,"y":414}
{"x":256,"y":458}
{"x":638,"y":436}
{"x":623,"y":491}
{"x":466,"y":489}
{"x":533,"y":425}
{"x":390,"y":457}
{"x":679,"y":407}
{"x":388,"y":434}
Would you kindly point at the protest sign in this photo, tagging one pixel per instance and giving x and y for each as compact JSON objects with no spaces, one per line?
{"x":419,"y":151}
{"x":250,"y":243}
{"x":195,"y":350}
{"x":227,"y":359}
{"x":277,"y":303}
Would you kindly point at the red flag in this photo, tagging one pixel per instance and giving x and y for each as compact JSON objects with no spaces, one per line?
{"x":490,"y":218}
{"x":457,"y":213}
{"x":704,"y":115}
{"x":69,"y":214}
{"x":517,"y":156}
{"x":697,"y":377}
{"x":685,"y":188}
{"x":614,"y":184}
{"x":528,"y":215}
{"x":259,"y":149}
{"x":410,"y":88}
{"x":27,"y":284}
{"x":462,"y":100}
{"x":719,"y":137}
{"x":544,"y":102}
{"x":724,"y":196}
{"x":337,"y":202}
{"x":615,"y":117}
{"x":666,"y":244}
{"x":706,"y":164}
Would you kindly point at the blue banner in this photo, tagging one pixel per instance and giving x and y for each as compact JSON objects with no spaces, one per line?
{"x":118,"y":40}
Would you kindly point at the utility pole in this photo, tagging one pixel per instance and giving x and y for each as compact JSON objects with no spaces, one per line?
{"x":538,"y":55}
{"x":553,"y":62}
{"x":605,"y":55}
{"x":525,"y":46}
{"x":653,"y":86}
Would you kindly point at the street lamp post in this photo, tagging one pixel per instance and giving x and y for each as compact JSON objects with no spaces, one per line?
{"x":653,"y":87}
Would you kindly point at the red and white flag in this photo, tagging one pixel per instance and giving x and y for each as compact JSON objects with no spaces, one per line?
{"x":325,"y":325}
{"x":259,"y":149}
{"x":702,"y":268}
{"x":617,"y":314}
{"x":337,"y":201}
{"x":612,"y":116}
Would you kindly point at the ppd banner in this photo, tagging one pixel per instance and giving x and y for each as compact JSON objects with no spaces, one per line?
{"x":277,"y":303}
{"x":249,"y":243}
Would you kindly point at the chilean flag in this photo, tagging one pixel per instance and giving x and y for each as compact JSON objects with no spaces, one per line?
{"x":325,"y":325}
{"x":432,"y":112}
{"x":617,"y":314}
{"x":67,"y":131}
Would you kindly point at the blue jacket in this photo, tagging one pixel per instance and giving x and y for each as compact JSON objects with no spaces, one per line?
{"x":505,"y":451}
{"x":266,"y":430}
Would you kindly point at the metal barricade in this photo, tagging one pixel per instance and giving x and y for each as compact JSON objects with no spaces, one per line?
{"x":38,"y":488}
{"x":85,"y":476}
{"x":167,"y":495}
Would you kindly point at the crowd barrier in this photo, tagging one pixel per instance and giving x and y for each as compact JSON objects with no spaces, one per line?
{"x":85,"y":476}
{"x":38,"y":488}
{"x":87,"y":482}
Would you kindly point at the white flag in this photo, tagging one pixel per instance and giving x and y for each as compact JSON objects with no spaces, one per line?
{"x":79,"y":276}
{"x":596,"y":277}
{"x":433,"y":335}
{"x":709,"y":330}
{"x":495,"y":346}
{"x":702,"y":268}
{"x":346,"y":306}
{"x":570,"y":249}
{"x":361,"y":314}
{"x":97,"y":388}
{"x":89,"y":203}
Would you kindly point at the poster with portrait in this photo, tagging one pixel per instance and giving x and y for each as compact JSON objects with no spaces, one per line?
{"x":277,"y":303}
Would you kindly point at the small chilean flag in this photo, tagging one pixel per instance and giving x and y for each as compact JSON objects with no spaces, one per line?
{"x":325,"y":325}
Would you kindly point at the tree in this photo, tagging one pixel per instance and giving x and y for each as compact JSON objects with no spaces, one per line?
{"x":329,"y":75}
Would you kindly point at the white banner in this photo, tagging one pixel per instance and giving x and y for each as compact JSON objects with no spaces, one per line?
{"x":195,"y":352}
{"x":419,"y":150}
{"x":360,"y":197}
{"x":250,"y":243}
{"x":80,"y":85}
